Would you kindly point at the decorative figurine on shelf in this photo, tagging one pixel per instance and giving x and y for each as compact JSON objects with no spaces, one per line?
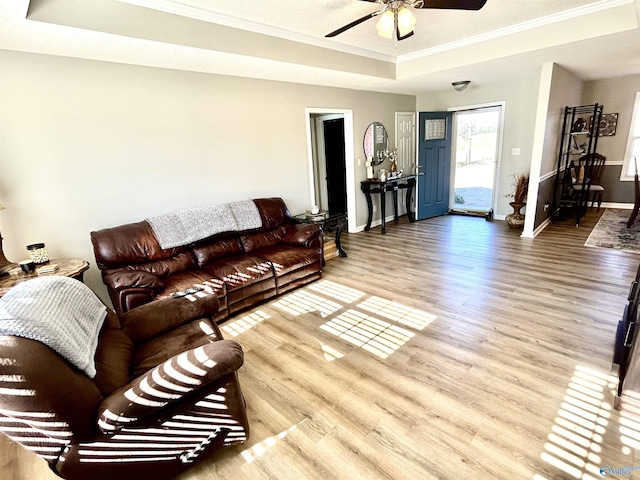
{"x":579,"y":125}
{"x":393,"y":157}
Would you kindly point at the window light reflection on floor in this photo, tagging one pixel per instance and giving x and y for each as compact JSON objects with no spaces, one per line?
{"x":261,"y":448}
{"x":372,"y":334}
{"x":337,"y":291}
{"x":244,"y":323}
{"x":330,"y":353}
{"x":575,"y":442}
{"x":630,"y":421}
{"x":408,"y":316}
{"x":359,"y":322}
{"x":301,"y":301}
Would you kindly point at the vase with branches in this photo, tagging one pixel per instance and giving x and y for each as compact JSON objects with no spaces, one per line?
{"x":519,"y":195}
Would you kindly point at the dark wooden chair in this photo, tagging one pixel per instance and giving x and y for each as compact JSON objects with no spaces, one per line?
{"x":589,"y":185}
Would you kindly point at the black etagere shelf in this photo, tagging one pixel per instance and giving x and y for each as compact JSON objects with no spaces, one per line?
{"x":579,"y":139}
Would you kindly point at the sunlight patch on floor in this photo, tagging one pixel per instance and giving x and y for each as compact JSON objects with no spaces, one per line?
{"x":574,"y":445}
{"x":372,"y":334}
{"x":361,"y":324}
{"x":398,"y":312}
{"x":630,"y":421}
{"x":301,"y":301}
{"x":330,"y":353}
{"x":337,"y":291}
{"x":259,"y":449}
{"x":244,"y":323}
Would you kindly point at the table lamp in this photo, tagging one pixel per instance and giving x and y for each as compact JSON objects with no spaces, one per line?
{"x":5,"y":265}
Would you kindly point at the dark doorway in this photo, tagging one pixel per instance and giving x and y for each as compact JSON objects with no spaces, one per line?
{"x":336,"y":168}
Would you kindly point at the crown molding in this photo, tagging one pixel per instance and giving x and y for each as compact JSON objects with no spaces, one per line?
{"x":176,"y":7}
{"x":596,"y":7}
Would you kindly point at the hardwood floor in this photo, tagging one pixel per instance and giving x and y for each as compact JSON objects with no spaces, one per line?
{"x":449,"y":348}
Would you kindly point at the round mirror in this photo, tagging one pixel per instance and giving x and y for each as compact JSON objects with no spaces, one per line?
{"x":375,"y":140}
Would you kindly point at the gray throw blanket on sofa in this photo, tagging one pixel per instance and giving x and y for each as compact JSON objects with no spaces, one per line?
{"x":190,"y":225}
{"x":60,"y":312}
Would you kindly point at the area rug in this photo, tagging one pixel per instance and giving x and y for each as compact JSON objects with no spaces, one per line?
{"x":611,"y":232}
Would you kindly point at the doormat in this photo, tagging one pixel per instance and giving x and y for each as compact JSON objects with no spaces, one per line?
{"x":611,"y":232}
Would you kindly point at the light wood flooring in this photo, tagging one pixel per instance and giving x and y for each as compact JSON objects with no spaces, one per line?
{"x":446,"y":349}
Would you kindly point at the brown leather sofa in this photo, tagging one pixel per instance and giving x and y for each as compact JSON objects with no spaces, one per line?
{"x":242,"y":268}
{"x":165,"y":395}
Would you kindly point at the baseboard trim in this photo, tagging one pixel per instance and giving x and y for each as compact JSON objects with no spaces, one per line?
{"x":623,"y":206}
{"x":546,"y":222}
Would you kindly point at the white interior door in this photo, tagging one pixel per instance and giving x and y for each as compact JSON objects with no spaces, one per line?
{"x":406,"y":146}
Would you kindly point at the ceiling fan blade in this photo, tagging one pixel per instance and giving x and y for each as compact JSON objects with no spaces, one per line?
{"x":402,"y":38}
{"x":351,"y":25}
{"x":453,"y":4}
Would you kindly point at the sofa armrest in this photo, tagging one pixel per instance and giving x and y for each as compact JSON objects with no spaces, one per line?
{"x":160,"y":316}
{"x":132,"y":279}
{"x":301,"y":233}
{"x":168,"y":383}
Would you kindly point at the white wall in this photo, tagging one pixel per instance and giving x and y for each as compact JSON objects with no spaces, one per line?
{"x":520,"y":95}
{"x":86,"y":145}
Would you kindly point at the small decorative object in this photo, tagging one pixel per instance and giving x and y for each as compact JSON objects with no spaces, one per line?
{"x":393,"y":157}
{"x":369,"y":165}
{"x":515,"y":220}
{"x":315,"y":210}
{"x":47,"y":269}
{"x":383,"y":175}
{"x":27,"y":266}
{"x":38,"y":253}
{"x":579,"y":125}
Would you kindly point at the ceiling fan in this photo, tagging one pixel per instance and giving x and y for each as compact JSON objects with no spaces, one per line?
{"x":396,"y":17}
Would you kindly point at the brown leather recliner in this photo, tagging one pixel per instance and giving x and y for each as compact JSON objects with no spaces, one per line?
{"x":166,"y":395}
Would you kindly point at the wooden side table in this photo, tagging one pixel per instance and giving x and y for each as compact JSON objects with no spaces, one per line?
{"x":329,"y":222}
{"x":67,"y":267}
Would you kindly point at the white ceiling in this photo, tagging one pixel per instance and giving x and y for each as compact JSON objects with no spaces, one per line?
{"x":284,"y":39}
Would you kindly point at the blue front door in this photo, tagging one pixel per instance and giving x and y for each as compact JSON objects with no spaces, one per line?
{"x":434,"y":160}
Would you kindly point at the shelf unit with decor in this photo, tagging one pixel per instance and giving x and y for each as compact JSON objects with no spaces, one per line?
{"x":579,"y":139}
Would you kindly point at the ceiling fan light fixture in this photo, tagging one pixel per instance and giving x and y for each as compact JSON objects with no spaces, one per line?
{"x":386,"y":24}
{"x":461,"y":85}
{"x":406,"y":21}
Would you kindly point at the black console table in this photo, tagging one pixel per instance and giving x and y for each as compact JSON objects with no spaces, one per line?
{"x":374,"y":185}
{"x":329,"y":222}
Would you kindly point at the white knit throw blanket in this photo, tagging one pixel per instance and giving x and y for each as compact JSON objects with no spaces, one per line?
{"x":188,"y":226}
{"x":60,"y":312}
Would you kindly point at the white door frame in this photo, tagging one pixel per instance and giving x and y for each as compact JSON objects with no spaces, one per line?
{"x":496,"y":179}
{"x":349,"y":159}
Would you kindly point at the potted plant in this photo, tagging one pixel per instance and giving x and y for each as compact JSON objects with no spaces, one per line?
{"x":519,"y":195}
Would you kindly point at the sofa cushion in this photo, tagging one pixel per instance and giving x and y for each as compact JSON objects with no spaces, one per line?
{"x":168,"y":266}
{"x":261,"y":240}
{"x":157,"y":318}
{"x":239,"y":271}
{"x":287,"y":258}
{"x":183,"y":280}
{"x":191,"y":335}
{"x":274,"y":212}
{"x":129,"y":244}
{"x":113,"y":356}
{"x":210,"y":252}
